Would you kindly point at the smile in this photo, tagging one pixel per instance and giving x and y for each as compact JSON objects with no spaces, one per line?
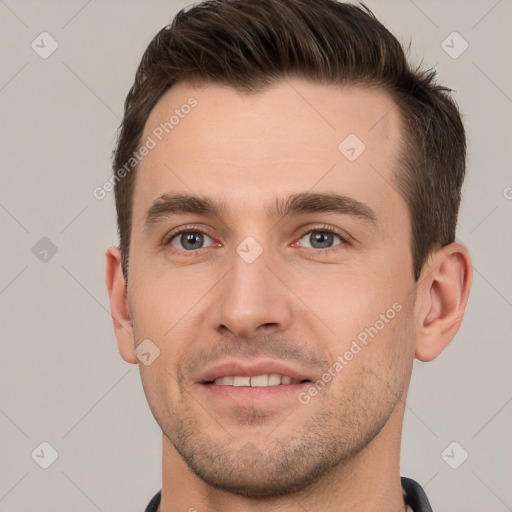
{"x":264,"y":380}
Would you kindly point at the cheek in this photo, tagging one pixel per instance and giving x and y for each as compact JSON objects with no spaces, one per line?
{"x":166,"y":309}
{"x":162,"y":298}
{"x":388,"y":351}
{"x":348,"y":301}
{"x":156,"y":378}
{"x":375,"y":364}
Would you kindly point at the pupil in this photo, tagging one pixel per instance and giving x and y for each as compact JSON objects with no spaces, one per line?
{"x":192,"y":240}
{"x":321,"y":239}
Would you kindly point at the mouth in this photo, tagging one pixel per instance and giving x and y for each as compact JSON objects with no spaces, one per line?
{"x":255,"y":374}
{"x":256,"y":381}
{"x":253,"y":385}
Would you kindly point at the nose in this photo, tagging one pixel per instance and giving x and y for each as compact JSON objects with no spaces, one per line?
{"x":251,"y":300}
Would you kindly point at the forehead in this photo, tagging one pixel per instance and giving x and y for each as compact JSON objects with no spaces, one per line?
{"x":293,"y":137}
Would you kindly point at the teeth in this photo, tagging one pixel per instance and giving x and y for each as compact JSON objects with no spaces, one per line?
{"x":265,"y":380}
{"x":274,"y":379}
{"x":241,"y":381}
{"x":259,"y":381}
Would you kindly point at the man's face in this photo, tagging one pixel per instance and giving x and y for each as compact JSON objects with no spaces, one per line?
{"x":275,"y":279}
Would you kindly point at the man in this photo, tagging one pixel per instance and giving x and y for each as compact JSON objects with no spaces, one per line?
{"x":287,"y":191}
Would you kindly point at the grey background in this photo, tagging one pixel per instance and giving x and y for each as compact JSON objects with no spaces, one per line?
{"x":62,"y":379}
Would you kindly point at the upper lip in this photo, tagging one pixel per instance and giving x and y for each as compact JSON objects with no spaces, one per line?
{"x":238,"y":368}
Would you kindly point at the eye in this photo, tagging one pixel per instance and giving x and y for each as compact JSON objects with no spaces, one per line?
{"x":189,"y":240}
{"x":320,"y":239}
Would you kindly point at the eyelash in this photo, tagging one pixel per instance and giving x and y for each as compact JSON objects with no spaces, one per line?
{"x":323,"y":229}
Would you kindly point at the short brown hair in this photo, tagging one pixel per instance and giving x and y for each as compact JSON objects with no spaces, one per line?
{"x":251,"y":44}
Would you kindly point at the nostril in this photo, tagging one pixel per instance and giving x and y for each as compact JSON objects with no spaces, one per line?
{"x":270,"y":324}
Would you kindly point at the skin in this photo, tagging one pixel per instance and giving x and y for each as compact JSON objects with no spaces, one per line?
{"x":295,"y":303}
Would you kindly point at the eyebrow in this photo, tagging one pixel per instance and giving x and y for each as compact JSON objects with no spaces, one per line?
{"x":168,"y":205}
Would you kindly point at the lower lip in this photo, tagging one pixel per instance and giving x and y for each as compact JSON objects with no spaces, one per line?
{"x":250,"y":397}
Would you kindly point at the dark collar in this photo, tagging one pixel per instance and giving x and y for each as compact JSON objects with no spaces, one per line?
{"x":414,"y":496}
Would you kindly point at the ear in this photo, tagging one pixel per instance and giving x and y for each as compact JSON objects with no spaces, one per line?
{"x":116,"y":288}
{"x":444,"y":288}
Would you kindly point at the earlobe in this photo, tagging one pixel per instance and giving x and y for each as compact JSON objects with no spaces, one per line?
{"x":116,"y":288}
{"x":445,"y":291}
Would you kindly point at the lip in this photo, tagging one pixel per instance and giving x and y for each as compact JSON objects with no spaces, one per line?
{"x":246,"y":397}
{"x":237,"y":368}
{"x":273,"y":399}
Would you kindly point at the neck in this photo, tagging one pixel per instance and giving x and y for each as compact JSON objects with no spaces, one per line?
{"x":370,"y":480}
